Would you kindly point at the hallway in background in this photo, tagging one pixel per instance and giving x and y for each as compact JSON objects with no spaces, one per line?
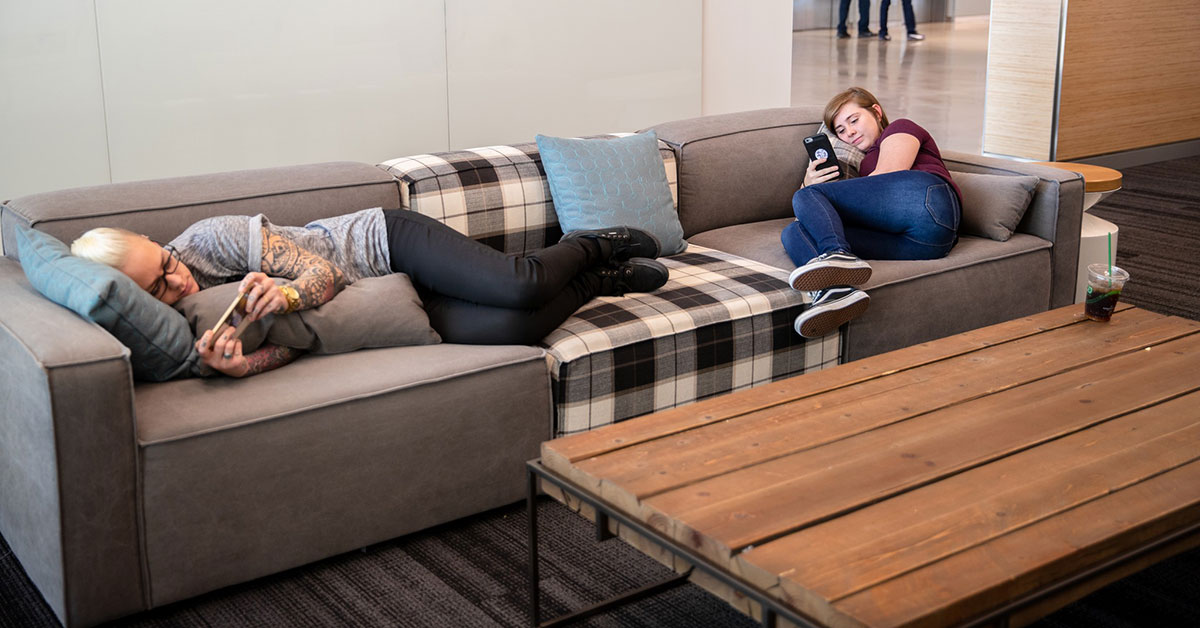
{"x":938,"y":83}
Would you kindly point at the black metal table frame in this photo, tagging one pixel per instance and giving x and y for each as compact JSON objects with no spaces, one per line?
{"x":771,"y":607}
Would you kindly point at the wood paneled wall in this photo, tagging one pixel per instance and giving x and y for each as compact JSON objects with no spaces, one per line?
{"x":1022,"y":68}
{"x":1130,"y":76}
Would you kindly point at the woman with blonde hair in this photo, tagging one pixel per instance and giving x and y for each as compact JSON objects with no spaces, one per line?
{"x":904,"y":206}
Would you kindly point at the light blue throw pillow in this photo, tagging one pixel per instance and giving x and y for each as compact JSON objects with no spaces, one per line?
{"x":598,"y":183}
{"x":158,"y":337}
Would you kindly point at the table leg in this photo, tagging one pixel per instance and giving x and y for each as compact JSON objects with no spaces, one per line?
{"x":531,"y":510}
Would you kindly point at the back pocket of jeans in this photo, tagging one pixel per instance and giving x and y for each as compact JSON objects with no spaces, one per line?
{"x":942,"y":206}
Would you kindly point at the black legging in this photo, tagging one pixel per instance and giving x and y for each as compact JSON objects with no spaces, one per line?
{"x":475,"y":294}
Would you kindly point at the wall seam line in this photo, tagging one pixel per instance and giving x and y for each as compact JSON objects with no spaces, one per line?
{"x":103,"y":93}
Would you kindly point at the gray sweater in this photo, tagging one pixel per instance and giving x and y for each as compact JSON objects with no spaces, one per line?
{"x":224,"y":248}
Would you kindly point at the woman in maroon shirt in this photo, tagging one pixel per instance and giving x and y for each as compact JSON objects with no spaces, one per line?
{"x":904,"y":206}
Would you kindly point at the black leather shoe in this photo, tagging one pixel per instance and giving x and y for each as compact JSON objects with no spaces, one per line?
{"x":626,"y":242}
{"x":843,"y":35}
{"x":633,"y":275}
{"x":866,"y":33}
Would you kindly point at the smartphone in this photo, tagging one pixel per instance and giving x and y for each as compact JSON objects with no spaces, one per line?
{"x":235,"y":315}
{"x":820,"y":148}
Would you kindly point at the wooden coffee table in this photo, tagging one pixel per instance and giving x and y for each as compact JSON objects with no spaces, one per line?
{"x":990,"y":476}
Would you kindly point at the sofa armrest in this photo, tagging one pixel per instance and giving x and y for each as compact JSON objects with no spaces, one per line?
{"x":68,"y":456}
{"x":1055,"y":213}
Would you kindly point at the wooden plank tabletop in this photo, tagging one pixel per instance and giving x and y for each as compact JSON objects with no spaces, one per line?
{"x":930,"y":484}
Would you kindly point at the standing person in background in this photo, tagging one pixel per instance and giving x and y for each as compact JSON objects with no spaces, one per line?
{"x":864,"y":19}
{"x":910,"y":20}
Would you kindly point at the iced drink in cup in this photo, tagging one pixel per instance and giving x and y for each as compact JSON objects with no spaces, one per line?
{"x":1103,"y":291}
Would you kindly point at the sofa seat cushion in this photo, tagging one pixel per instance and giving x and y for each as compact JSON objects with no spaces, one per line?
{"x":333,"y":452}
{"x":759,"y":241}
{"x":981,"y":282}
{"x":497,"y":195}
{"x":721,"y":323}
{"x":187,"y":408}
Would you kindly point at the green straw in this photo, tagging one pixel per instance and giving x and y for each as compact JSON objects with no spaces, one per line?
{"x":1110,"y":259}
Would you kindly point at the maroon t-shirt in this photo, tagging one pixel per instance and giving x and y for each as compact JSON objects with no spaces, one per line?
{"x":929,"y":158}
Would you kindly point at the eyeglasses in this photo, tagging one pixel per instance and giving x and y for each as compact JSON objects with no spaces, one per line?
{"x":170,"y":265}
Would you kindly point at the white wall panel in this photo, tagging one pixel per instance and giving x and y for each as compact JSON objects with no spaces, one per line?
{"x":747,"y":55}
{"x":569,"y":67}
{"x":196,"y":87}
{"x":51,"y":111}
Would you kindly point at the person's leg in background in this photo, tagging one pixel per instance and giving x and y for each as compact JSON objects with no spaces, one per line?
{"x":910,"y":21}
{"x":864,"y":18}
{"x":843,"y":15}
{"x":883,"y":27}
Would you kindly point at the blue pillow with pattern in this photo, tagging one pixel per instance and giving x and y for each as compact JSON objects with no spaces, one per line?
{"x":159,"y":339}
{"x":598,"y":183}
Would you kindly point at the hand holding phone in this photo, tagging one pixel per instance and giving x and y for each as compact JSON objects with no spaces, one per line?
{"x":235,"y":315}
{"x":822,"y":161}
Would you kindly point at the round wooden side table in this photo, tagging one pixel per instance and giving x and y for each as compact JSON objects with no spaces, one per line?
{"x":1098,"y":182}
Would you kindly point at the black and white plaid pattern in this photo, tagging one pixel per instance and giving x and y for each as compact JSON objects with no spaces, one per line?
{"x":722,"y":323}
{"x":496,"y":194}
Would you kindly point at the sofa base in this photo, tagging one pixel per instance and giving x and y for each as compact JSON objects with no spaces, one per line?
{"x":288,"y":473}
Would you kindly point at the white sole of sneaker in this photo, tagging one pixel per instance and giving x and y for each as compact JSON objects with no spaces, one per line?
{"x":822,"y":320}
{"x":823,"y":274}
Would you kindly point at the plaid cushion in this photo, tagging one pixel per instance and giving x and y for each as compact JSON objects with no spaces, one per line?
{"x":497,"y":194}
{"x":722,"y":323}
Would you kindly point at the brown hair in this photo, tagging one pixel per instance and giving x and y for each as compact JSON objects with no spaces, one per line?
{"x":858,"y":96}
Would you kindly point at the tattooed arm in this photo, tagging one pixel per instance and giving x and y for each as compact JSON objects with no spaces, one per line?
{"x":315,"y":278}
{"x":225,"y":355}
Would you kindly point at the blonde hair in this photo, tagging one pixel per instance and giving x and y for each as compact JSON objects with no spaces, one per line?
{"x":106,"y":245}
{"x":858,"y":96}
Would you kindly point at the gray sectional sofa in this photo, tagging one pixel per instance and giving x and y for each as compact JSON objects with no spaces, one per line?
{"x":120,"y":495}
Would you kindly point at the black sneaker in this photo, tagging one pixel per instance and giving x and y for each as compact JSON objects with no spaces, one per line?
{"x":830,"y":269}
{"x":843,"y":35}
{"x":830,"y":309}
{"x":633,"y":275}
{"x":866,"y":33}
{"x":626,"y":242}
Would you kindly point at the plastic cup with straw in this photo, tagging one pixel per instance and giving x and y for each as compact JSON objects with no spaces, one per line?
{"x":1105,"y":283}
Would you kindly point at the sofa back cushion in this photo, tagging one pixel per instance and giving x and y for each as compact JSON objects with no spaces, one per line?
{"x":497,"y":195}
{"x":163,"y":208}
{"x":739,"y":167}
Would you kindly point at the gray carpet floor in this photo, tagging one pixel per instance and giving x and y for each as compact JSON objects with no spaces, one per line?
{"x":472,"y":572}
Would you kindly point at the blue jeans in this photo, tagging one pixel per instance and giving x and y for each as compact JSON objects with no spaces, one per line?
{"x":910,"y":18}
{"x":864,"y":15}
{"x":899,"y":215}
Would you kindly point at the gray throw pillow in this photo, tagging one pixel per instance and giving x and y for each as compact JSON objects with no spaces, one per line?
{"x":371,"y":312}
{"x":993,"y":204}
{"x":159,"y":341}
